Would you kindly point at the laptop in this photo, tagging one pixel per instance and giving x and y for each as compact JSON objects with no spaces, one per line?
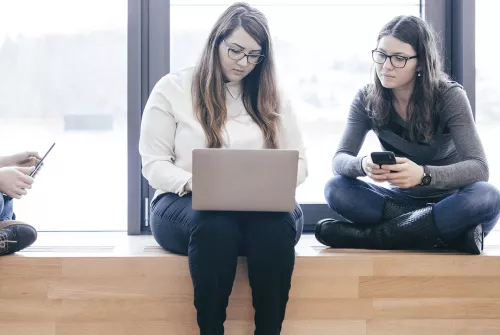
{"x":245,"y":179}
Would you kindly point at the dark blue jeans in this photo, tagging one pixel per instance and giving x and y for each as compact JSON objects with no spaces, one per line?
{"x":6,"y":210}
{"x":363,"y":203}
{"x":213,"y":240}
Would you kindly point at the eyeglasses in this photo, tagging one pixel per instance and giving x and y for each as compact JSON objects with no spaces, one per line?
{"x":239,"y":55}
{"x":396,"y":60}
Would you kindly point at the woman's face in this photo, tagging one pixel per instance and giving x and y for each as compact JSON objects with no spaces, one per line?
{"x":396,"y":72}
{"x":232,"y":50}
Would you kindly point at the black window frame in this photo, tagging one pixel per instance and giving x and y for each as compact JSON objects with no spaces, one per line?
{"x":149,"y":60}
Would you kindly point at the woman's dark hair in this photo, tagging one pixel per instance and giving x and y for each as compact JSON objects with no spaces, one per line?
{"x":427,"y":90}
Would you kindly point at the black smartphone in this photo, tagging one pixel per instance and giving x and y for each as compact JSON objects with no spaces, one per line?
{"x":383,"y":158}
{"x":39,"y":164}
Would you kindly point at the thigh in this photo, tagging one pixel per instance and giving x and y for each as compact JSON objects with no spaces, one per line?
{"x":271,"y":229}
{"x":174,"y":222}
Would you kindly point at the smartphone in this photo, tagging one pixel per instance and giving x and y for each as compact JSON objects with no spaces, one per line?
{"x":383,"y":158}
{"x":39,"y":164}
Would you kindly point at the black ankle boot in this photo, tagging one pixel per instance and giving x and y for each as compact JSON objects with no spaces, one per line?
{"x":411,"y":231}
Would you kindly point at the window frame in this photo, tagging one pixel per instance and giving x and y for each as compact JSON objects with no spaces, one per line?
{"x":455,"y":22}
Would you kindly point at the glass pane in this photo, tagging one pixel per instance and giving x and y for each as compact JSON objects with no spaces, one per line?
{"x":487,"y":74}
{"x":323,"y":57}
{"x":64,"y":80}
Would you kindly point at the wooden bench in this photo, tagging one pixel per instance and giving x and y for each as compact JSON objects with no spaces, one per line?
{"x":136,"y":288}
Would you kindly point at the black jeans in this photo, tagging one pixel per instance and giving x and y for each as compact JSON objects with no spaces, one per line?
{"x":213,"y":240}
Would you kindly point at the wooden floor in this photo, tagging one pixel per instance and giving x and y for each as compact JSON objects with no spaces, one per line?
{"x":126,"y":285}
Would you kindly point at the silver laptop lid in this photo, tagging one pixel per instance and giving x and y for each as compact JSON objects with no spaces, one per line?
{"x":245,"y":180}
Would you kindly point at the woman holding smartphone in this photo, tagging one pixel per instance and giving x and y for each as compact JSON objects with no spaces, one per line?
{"x":438,"y":195}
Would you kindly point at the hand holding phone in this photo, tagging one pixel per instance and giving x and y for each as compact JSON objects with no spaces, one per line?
{"x":14,"y":181}
{"x":371,"y":165}
{"x":32,"y":174}
{"x":405,"y":173}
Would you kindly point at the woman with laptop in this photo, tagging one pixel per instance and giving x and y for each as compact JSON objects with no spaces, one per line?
{"x":434,"y":161}
{"x":229,"y":100}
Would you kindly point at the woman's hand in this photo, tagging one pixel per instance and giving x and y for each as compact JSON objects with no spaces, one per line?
{"x":23,"y":159}
{"x":373,"y":170}
{"x":405,"y":173}
{"x":14,"y":181}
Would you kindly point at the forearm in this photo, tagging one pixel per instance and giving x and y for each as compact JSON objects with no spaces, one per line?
{"x":165,"y":176}
{"x":346,"y":161}
{"x":460,"y":174}
{"x":347,"y":165}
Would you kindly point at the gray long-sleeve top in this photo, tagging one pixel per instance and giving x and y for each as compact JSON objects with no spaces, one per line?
{"x":455,"y":157}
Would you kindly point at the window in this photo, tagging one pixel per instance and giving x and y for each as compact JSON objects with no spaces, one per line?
{"x":487,"y":74}
{"x":323,"y":57}
{"x":64,"y":80}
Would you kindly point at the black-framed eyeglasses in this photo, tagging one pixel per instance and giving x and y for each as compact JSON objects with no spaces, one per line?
{"x":240,"y":54}
{"x":397,"y":61}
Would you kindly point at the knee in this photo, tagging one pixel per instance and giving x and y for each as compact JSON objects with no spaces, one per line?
{"x":492,"y":197}
{"x":336,"y":194}
{"x":485,"y":197}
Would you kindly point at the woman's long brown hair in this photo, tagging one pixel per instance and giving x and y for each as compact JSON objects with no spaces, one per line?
{"x":423,"y":104}
{"x":259,"y":92}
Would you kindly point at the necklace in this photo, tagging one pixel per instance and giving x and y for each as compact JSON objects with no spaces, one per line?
{"x":231,"y":93}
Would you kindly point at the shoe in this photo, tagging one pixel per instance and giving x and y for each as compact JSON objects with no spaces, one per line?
{"x":471,"y":242}
{"x":15,"y":236}
{"x":415,"y":230}
{"x":340,"y":234}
